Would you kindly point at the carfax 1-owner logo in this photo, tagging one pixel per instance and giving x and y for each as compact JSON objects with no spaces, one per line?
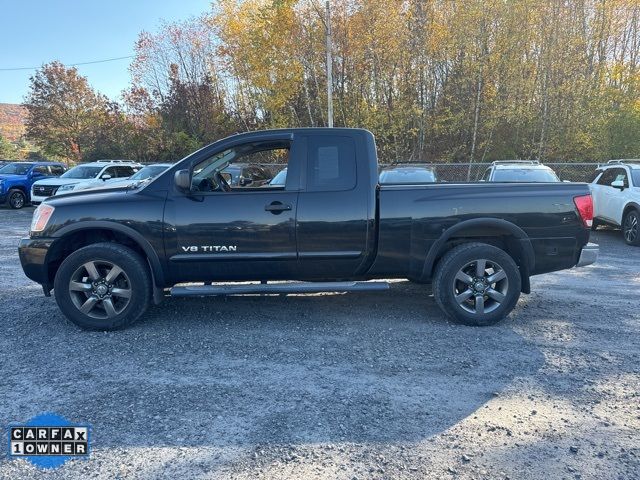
{"x":48,"y":440}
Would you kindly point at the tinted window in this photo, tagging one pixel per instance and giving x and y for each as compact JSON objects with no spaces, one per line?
{"x":595,"y":175}
{"x":238,"y":167}
{"x":621,"y":176}
{"x":82,"y":172}
{"x":16,"y":168}
{"x":607,"y":177}
{"x":41,"y":169}
{"x":125,"y":171}
{"x":635,"y":176}
{"x":56,"y":170}
{"x":110,"y":171}
{"x":524,"y":175}
{"x":331,"y":163}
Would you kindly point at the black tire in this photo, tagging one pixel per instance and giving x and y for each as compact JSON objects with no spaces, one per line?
{"x":93,"y":289}
{"x":497,"y":298}
{"x":631,"y":228}
{"x":16,"y":199}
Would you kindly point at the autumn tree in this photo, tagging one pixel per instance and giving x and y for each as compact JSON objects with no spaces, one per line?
{"x":63,"y":112}
{"x":7,"y":150}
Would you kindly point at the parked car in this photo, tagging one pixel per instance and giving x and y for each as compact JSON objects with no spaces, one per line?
{"x":407,"y":174}
{"x":107,"y":253}
{"x":16,"y":179}
{"x":245,"y":175}
{"x":146,"y":173}
{"x":102,"y":170}
{"x":616,"y":197}
{"x":519,"y":171}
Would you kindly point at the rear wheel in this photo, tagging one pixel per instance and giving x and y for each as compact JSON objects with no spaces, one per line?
{"x":17,"y":199}
{"x":104,"y":286}
{"x":477,"y":284}
{"x":631,"y":228}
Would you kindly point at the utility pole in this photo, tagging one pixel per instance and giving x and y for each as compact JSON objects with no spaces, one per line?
{"x":329,"y":67}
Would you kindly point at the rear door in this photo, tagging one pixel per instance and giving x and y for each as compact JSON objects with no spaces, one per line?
{"x":336,"y":208}
{"x":618,"y":197}
{"x":601,"y":190}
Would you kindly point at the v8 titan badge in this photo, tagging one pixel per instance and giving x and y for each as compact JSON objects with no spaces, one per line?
{"x":48,"y":440}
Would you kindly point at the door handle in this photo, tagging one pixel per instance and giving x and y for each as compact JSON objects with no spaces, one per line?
{"x":277,"y":207}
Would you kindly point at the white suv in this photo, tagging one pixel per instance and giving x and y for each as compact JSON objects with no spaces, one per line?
{"x":616,"y":197}
{"x":98,"y":172}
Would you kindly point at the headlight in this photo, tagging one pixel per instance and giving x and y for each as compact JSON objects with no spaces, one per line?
{"x":41,"y":217}
{"x":66,"y":188}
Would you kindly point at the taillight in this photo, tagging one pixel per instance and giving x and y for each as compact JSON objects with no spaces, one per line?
{"x":40,"y":217}
{"x":584,"y":204}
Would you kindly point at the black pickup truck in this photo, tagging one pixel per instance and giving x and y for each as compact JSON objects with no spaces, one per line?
{"x":108,"y":253}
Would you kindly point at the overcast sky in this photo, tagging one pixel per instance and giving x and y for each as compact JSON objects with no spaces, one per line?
{"x":34,"y":32}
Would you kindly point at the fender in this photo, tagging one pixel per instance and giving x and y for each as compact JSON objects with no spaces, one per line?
{"x":152,"y":256}
{"x":496,"y":223}
{"x":630,"y":205}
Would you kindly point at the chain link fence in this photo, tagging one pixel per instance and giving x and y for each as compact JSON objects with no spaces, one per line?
{"x":472,"y":172}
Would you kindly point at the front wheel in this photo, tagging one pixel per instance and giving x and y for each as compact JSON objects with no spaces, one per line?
{"x":631,"y":228}
{"x":103,"y":286}
{"x":477,"y":284}
{"x":17,"y":199}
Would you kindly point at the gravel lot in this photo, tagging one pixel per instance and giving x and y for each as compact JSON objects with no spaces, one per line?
{"x":337,"y":386}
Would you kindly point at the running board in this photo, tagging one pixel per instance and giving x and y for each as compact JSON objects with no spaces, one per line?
{"x":277,"y":288}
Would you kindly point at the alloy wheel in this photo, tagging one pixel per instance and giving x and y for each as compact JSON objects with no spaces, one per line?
{"x":631,"y":227}
{"x":16,"y":200}
{"x":480,"y":286}
{"x":100,"y":289}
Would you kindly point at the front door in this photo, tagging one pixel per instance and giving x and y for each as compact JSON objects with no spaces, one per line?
{"x":225,"y":232}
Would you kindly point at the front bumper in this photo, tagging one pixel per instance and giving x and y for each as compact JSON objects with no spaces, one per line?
{"x":3,"y":198}
{"x":588,"y":255}
{"x":37,"y":200}
{"x":33,"y":256}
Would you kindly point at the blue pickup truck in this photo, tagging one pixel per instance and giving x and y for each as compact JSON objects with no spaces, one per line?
{"x":16,"y":179}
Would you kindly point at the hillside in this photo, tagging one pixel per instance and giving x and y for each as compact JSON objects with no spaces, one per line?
{"x":12,"y":119}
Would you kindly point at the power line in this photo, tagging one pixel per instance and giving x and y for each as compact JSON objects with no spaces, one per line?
{"x":68,"y":65}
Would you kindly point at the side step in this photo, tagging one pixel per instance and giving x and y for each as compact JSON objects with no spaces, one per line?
{"x":277,"y":288}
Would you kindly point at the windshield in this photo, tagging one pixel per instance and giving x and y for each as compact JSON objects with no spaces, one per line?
{"x":635,"y":176}
{"x":148,"y":172}
{"x":82,"y":172}
{"x":16,"y":168}
{"x":406,"y":175}
{"x":524,"y":175}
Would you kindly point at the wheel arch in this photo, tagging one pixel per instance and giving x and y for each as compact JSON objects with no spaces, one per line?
{"x":494,"y":231}
{"x":72,"y":237}
{"x":629,"y":206}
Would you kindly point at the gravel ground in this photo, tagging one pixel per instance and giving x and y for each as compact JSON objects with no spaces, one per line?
{"x":337,"y":386}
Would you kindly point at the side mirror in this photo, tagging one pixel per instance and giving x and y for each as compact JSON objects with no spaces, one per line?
{"x":618,"y":184}
{"x":182,"y":179}
{"x":106,"y":177}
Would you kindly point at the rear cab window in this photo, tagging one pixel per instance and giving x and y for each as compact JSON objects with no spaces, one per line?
{"x":331,"y":163}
